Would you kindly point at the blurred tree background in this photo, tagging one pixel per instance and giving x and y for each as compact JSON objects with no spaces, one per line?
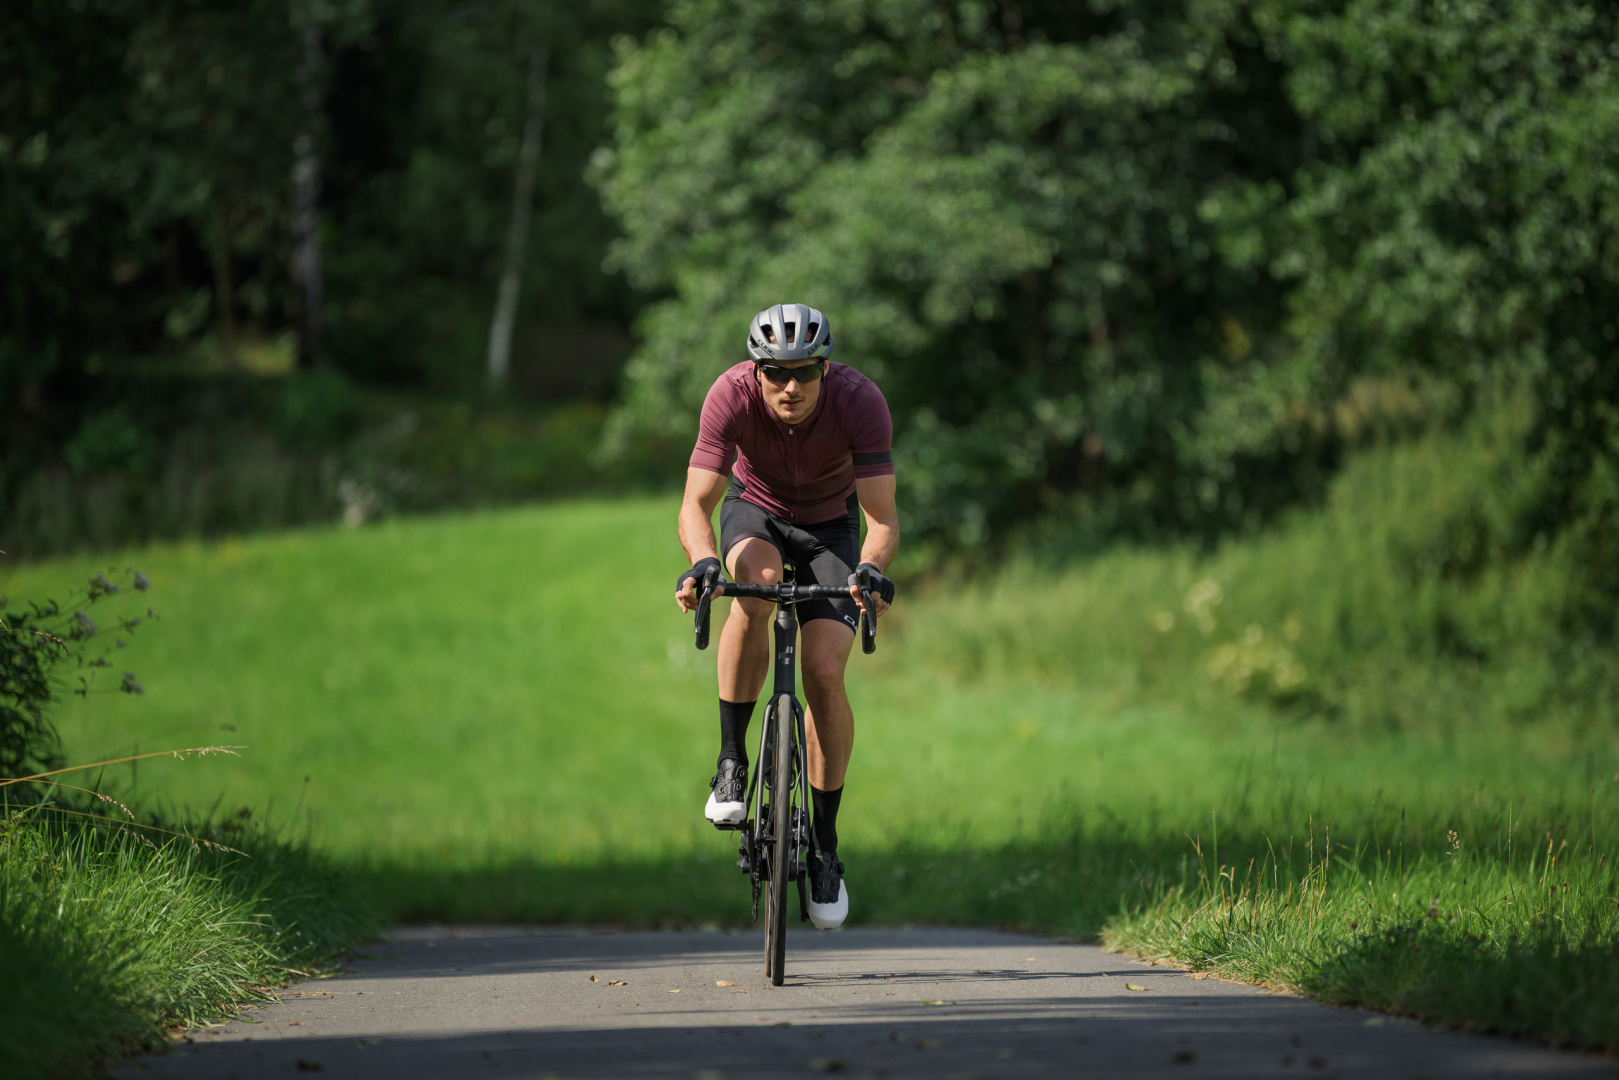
{"x":152,"y":377}
{"x":1124,"y":270}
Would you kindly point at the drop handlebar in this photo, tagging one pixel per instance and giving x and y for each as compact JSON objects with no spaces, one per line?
{"x":786,"y":594}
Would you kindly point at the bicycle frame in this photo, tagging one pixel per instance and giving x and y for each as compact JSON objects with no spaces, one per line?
{"x":758,"y":836}
{"x":799,"y":809}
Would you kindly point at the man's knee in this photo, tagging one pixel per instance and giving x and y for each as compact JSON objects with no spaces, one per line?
{"x":752,"y":622}
{"x":823,"y":670}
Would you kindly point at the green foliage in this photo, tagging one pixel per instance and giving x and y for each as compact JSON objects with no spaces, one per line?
{"x":112,"y":928}
{"x":1121,"y":259}
{"x":44,"y":653}
{"x":1002,"y":225}
{"x":1406,"y":604}
{"x":106,"y":939}
{"x":234,"y":456}
{"x":146,"y":150}
{"x":318,"y":409}
{"x":1458,"y":214}
{"x":108,"y":442}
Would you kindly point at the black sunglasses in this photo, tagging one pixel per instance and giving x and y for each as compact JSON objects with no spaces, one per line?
{"x":781,"y":376}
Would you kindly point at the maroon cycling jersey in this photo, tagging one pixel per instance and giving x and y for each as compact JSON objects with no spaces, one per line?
{"x":802,"y":473}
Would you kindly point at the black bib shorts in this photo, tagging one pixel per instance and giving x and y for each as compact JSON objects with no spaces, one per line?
{"x":825,"y":553}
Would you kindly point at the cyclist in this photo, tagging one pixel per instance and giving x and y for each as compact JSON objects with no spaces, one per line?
{"x":810,"y":440}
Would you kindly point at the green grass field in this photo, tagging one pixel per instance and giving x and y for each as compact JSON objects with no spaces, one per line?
{"x":501,"y":716}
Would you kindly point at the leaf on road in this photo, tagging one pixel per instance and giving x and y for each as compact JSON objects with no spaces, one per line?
{"x":1197,"y":974}
{"x":938,"y":1002}
{"x":1133,"y":986}
{"x":1025,"y":959}
{"x":674,"y":991}
{"x":725,"y":982}
{"x":617,"y":982}
{"x":594,"y":979}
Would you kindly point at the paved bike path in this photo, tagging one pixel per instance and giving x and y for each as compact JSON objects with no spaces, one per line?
{"x":494,"y":1002}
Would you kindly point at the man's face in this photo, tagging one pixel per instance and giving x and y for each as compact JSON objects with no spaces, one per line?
{"x":791,"y":401}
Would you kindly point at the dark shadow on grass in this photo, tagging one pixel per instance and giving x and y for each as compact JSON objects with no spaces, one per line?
{"x":1544,"y":989}
{"x":1069,"y":888}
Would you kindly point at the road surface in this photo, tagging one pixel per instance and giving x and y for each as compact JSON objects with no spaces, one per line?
{"x":557,"y":1002}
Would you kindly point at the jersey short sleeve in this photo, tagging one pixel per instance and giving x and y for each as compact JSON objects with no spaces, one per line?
{"x":871,"y":431}
{"x":717,"y":430}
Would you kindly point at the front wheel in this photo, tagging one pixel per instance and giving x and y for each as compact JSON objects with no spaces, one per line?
{"x":781,"y":844}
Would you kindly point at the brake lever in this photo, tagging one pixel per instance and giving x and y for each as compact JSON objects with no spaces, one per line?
{"x":868,"y":621}
{"x":704,"y":601}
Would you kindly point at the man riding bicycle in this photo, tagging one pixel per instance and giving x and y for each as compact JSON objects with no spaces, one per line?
{"x":811,"y":440}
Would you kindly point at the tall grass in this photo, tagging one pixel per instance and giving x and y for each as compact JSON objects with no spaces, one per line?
{"x":1412,"y":601}
{"x":1498,"y":921}
{"x":108,"y":937}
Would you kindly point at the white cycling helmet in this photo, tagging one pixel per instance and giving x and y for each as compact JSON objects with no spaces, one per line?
{"x":789,"y":332}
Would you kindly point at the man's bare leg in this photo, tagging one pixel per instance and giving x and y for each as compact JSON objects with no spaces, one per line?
{"x":744,"y":653}
{"x":829,"y":730}
{"x":829,"y":720}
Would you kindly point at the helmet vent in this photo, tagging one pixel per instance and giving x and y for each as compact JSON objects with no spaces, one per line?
{"x":770,"y":333}
{"x":791,"y":327}
{"x":810,"y":332}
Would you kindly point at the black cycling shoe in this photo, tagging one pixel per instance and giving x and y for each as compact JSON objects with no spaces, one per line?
{"x":726,"y":804}
{"x":828,"y":895}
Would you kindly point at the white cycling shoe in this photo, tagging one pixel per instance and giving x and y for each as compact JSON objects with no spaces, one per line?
{"x":825,"y":872}
{"x":730,"y":788}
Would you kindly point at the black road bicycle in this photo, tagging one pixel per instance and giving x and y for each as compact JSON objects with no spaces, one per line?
{"x":775,"y":835}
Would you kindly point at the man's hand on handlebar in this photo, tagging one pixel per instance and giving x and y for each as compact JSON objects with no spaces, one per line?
{"x":689,"y":583}
{"x":882,"y":589}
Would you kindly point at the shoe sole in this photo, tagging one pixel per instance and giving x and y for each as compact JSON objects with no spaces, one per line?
{"x":719,"y":813}
{"x":830,"y":916}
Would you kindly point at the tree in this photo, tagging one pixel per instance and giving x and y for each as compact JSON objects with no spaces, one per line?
{"x":511,"y":274}
{"x":997,"y":206}
{"x":1122,"y":258}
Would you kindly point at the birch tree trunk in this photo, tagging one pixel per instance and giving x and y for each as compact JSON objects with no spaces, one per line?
{"x":306,"y":267}
{"x":511,"y":276}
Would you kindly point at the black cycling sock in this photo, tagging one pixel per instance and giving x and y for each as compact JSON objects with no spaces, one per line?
{"x":734,"y":718}
{"x":825,"y":825}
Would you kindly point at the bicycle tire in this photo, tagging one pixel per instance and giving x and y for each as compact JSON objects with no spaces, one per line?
{"x":781,"y":853}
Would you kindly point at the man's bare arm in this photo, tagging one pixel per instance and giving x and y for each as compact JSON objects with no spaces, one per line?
{"x":704,"y":490}
{"x":876,"y":495}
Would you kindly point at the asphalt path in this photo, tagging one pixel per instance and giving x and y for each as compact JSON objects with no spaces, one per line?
{"x":542,"y":1002}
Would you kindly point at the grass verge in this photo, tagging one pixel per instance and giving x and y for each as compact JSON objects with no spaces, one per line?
{"x":107,"y":939}
{"x":500,"y":716}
